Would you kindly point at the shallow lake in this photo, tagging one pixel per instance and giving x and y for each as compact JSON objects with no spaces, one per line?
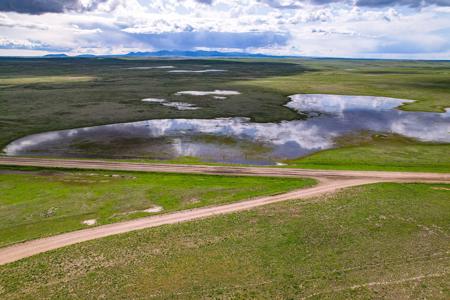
{"x":237,"y":140}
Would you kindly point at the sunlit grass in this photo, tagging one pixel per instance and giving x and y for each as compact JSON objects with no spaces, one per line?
{"x":380,"y":153}
{"x":379,"y":241}
{"x":429,"y":87}
{"x":47,"y":202}
{"x":44,"y":79}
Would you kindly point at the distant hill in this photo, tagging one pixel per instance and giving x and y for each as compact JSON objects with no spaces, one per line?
{"x":59,"y":55}
{"x":176,"y":53}
{"x":86,"y":55}
{"x":199,"y":53}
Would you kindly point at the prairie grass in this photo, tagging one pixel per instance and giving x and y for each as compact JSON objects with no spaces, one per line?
{"x":377,"y":241}
{"x":43,"y":202}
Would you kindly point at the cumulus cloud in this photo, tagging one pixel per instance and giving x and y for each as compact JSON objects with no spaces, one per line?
{"x":5,"y":21}
{"x":283,"y":4}
{"x":296,"y":4}
{"x":410,"y":3}
{"x":209,"y":2}
{"x":27,"y":44}
{"x":333,"y":31}
{"x":36,"y":7}
{"x":351,"y":28}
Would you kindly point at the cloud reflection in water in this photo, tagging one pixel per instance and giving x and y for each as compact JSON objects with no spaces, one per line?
{"x":237,"y":140}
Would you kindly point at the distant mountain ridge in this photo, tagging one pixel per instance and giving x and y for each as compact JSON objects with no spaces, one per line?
{"x":60,"y":55}
{"x":177,"y":53}
{"x":198,"y":53}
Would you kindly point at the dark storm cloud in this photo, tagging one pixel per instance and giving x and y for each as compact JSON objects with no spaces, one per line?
{"x":37,"y":7}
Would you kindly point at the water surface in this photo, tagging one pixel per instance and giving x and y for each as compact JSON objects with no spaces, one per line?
{"x":237,"y":140}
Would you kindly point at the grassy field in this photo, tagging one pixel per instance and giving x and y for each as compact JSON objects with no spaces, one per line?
{"x":43,"y":79}
{"x":426,"y":82}
{"x":45,"y":97}
{"x":381,"y":154}
{"x":115,"y":93}
{"x":378,"y":241}
{"x":47,"y":202}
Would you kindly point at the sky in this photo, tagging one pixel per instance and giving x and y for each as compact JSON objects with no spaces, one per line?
{"x":407,"y":29}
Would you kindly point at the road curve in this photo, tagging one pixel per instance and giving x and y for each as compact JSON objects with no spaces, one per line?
{"x":329,"y":181}
{"x":26,"y":249}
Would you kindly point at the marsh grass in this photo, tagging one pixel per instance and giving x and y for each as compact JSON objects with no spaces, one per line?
{"x":114,"y":97}
{"x":375,"y":152}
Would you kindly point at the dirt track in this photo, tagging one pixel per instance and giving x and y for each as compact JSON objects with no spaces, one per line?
{"x":220,"y":170}
{"x":329,"y":181}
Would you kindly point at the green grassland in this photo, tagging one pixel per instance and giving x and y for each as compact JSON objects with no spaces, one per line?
{"x":46,"y":202}
{"x":115,"y":93}
{"x":380,"y":153}
{"x":378,"y":241}
{"x":426,"y":82}
{"x":43,"y":79}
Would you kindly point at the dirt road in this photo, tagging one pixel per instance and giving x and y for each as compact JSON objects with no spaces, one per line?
{"x":219,"y":170}
{"x":329,"y":181}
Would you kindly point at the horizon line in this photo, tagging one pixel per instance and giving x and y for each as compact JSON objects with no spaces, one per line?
{"x":247,"y":55}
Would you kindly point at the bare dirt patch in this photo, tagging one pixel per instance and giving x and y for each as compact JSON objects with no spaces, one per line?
{"x":440,"y":188}
{"x":90,"y":222}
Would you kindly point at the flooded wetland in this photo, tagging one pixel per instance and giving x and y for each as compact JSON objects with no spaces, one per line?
{"x":239,"y":140}
{"x":241,"y":111}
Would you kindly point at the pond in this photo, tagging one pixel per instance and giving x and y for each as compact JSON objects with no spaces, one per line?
{"x":237,"y":140}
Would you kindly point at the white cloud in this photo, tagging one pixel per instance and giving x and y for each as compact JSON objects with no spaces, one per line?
{"x":6,"y":21}
{"x":280,"y":27}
